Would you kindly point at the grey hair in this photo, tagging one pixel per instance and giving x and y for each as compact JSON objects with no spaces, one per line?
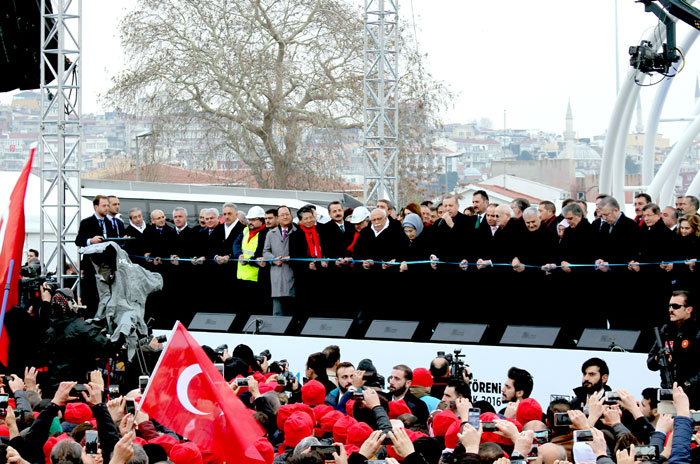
{"x":573,"y":208}
{"x":139,"y":457}
{"x":273,"y":400}
{"x":211,"y":210}
{"x":229,"y":204}
{"x":133,"y":210}
{"x":305,"y":444}
{"x":180,"y":208}
{"x":653,"y":207}
{"x":383,"y":211}
{"x":154,"y":211}
{"x":610,"y":202}
{"x":67,"y":451}
{"x":531,"y":210}
{"x":521,"y":203}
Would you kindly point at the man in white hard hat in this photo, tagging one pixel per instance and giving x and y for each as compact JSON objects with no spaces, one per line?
{"x":248,"y":249}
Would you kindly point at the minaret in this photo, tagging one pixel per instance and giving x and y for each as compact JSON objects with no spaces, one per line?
{"x":569,"y":134}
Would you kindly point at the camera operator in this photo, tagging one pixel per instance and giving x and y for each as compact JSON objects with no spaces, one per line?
{"x":681,"y":339}
{"x":72,"y":345}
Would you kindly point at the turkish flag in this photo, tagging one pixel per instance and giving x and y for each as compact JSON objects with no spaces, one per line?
{"x":188,"y":395}
{"x":11,"y":254}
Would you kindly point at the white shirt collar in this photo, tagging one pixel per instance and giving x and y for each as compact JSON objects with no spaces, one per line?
{"x":140,"y":229}
{"x":228,"y":229}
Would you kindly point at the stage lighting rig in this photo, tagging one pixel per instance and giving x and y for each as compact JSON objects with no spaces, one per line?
{"x":643,"y":56}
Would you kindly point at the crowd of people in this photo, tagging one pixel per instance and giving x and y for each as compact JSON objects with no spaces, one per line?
{"x":274,"y":262}
{"x":347,"y":412}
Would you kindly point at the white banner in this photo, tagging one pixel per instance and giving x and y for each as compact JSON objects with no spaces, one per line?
{"x":555,"y":371}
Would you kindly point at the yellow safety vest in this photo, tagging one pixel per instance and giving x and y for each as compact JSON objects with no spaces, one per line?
{"x":247,"y":271}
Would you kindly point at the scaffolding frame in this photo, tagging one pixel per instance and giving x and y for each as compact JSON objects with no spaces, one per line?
{"x":60,"y":135}
{"x":381,"y":96}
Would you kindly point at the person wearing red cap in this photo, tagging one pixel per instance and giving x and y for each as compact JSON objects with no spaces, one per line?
{"x":420,"y":388}
{"x":399,"y":384}
{"x":313,"y":393}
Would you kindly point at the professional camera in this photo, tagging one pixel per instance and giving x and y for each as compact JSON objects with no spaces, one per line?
{"x":457,"y":365}
{"x":220,"y":349}
{"x":30,"y":287}
{"x":645,"y":59}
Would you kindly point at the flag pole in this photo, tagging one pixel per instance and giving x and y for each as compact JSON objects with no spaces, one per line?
{"x":6,"y":295}
{"x":155,"y":369}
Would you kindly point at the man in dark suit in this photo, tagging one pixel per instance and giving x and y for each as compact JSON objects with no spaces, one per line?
{"x":337,"y":233}
{"x":617,"y":244}
{"x":181,"y":272}
{"x":92,"y":230}
{"x":112,"y":216}
{"x":452,"y":235}
{"x":548,"y":216}
{"x":399,"y":384}
{"x":136,"y":228}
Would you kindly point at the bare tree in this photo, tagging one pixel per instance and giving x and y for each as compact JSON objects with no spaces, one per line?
{"x":262,"y":77}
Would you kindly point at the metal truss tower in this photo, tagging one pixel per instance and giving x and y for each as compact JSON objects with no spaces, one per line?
{"x":60,"y":134}
{"x":380,"y":89}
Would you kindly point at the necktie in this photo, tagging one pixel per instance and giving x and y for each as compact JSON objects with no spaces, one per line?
{"x":478,"y":221}
{"x":102,"y":226}
{"x":210,"y":231}
{"x":342,"y":228}
{"x":284,"y":234}
{"x":610,"y":229}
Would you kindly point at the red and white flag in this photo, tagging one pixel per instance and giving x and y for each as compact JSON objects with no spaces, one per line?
{"x":12,"y":227}
{"x":188,"y":395}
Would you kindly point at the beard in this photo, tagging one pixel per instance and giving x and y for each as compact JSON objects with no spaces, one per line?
{"x":592,"y":388}
{"x":398,"y":391}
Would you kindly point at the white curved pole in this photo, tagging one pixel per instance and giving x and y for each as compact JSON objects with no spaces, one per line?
{"x":618,"y":190}
{"x":677,"y":152}
{"x":694,"y":187}
{"x":605,"y":184}
{"x":655,"y":115}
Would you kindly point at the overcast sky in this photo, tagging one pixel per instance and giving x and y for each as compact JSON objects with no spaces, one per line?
{"x":525,"y":57}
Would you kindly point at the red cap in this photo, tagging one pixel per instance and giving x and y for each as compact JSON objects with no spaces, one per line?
{"x":321,"y":410}
{"x":313,"y":393}
{"x":528,"y":410}
{"x":287,"y":410}
{"x":266,"y":387}
{"x":349,"y":449}
{"x":4,"y":431}
{"x":209,"y":457}
{"x":451,"y":438}
{"x":358,"y":433}
{"x":422,"y":377}
{"x":185,"y":453}
{"x":296,"y":428}
{"x":77,"y":413}
{"x":265,"y":449}
{"x":340,"y":429}
{"x":443,"y":421}
{"x":350,"y":408}
{"x":396,"y":408}
{"x":329,"y":420}
{"x":166,"y":441}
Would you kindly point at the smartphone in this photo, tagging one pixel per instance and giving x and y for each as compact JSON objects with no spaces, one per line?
{"x":75,"y":391}
{"x":143,"y":381}
{"x":646,"y":453}
{"x":533,"y":454}
{"x":611,"y":398}
{"x":387,"y":440}
{"x":130,"y":407}
{"x":220,"y":368}
{"x":695,"y":417}
{"x":113,"y":390}
{"x":559,"y":397}
{"x":4,"y":399}
{"x":562,"y":419}
{"x":664,"y":394}
{"x":489,"y":427}
{"x":358,"y":396}
{"x":474,"y":417}
{"x":541,"y":437}
{"x":326,"y":451}
{"x":19,"y":414}
{"x":91,"y":442}
{"x":583,"y":435}
{"x":241,"y":382}
{"x":281,"y":380}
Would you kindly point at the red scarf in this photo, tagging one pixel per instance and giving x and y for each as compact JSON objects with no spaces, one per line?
{"x":352,"y":245}
{"x":254,"y":232}
{"x":312,"y":241}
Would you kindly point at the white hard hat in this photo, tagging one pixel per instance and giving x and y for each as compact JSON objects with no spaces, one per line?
{"x":359,"y":214}
{"x":255,"y":212}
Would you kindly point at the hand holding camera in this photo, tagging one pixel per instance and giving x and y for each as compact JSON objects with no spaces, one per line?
{"x":371,"y":398}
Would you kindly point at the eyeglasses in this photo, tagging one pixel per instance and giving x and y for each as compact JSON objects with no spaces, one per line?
{"x":675,"y":306}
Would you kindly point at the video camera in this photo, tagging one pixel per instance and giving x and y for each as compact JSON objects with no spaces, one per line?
{"x":30,"y":285}
{"x":457,"y":365}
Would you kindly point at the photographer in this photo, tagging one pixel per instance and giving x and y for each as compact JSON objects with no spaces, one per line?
{"x":72,"y":345}
{"x":681,"y":339}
